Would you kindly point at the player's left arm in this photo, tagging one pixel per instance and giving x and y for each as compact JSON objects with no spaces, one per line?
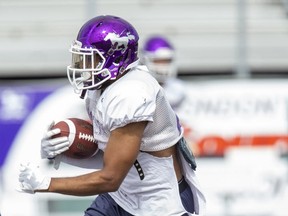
{"x":120,"y":154}
{"x":122,"y":151}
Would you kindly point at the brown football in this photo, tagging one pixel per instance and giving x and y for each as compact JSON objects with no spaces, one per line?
{"x":80,"y":135}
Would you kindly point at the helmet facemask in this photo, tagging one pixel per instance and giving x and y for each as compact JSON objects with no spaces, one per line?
{"x":87,"y":64}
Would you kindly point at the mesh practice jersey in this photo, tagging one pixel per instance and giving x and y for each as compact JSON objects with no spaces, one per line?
{"x":136,"y":97}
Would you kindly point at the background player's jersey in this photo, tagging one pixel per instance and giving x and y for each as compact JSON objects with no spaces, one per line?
{"x":175,"y":91}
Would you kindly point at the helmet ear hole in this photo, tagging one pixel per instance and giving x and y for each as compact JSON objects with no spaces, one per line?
{"x":118,"y":59}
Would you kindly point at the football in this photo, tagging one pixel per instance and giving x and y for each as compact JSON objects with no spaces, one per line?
{"x":80,"y":135}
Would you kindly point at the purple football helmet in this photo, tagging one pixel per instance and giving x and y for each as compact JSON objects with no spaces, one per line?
{"x":158,"y":56}
{"x":105,"y":47}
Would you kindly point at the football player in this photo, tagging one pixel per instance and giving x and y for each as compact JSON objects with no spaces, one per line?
{"x":147,"y":167}
{"x":158,"y":55}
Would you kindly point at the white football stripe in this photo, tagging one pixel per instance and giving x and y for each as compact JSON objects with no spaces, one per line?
{"x":87,"y":137}
{"x":72,"y":131}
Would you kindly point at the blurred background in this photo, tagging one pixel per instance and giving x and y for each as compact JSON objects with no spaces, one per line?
{"x":232,"y":56}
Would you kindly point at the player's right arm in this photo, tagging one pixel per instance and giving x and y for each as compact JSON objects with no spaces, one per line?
{"x":119,"y":156}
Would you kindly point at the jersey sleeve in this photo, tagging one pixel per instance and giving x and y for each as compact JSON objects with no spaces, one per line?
{"x":132,"y":102}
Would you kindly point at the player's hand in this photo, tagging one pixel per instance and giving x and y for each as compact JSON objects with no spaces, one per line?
{"x":51,"y":147}
{"x":31,"y":179}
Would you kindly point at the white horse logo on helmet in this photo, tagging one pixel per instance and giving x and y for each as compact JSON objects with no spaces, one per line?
{"x":119,"y":43}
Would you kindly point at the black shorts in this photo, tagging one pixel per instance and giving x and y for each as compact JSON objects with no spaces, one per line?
{"x":104,"y":205}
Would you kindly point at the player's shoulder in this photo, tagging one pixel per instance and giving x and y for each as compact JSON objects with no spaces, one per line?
{"x":142,"y":74}
{"x":136,"y":81}
{"x":131,"y":89}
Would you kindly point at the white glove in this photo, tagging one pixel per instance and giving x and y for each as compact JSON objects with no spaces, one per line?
{"x":51,"y":147}
{"x":32,"y":179}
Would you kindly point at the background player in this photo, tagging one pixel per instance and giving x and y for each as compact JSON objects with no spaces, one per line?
{"x":159,"y":55}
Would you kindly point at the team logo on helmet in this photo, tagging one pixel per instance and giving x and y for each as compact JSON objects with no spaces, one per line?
{"x":119,"y":43}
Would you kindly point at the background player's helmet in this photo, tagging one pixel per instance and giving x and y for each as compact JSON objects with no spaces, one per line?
{"x":158,"y":56}
{"x":105,"y":47}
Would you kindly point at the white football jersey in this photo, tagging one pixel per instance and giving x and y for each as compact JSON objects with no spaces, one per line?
{"x":136,"y":97}
{"x":175,"y":91}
